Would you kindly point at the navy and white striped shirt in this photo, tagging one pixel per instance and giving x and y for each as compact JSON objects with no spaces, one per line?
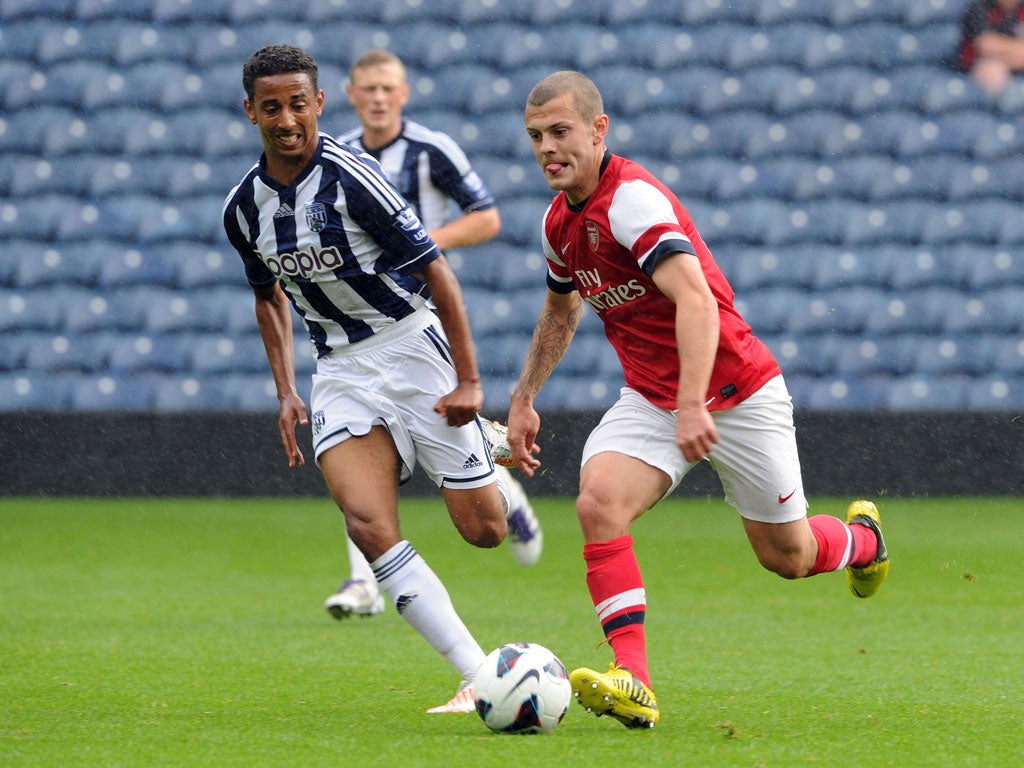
{"x":429,"y":169}
{"x":340,"y":238}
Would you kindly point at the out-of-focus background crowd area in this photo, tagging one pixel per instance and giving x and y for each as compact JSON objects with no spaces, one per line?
{"x":862,"y":196}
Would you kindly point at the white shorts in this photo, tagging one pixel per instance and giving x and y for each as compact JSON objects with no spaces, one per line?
{"x":755,"y":457}
{"x":395,"y":379}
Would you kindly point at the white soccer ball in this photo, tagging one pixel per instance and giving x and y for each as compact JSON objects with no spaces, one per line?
{"x":522,"y":688}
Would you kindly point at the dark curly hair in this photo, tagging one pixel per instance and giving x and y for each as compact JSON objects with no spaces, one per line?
{"x":277,"y":60}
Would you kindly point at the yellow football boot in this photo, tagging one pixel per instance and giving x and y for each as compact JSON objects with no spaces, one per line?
{"x":866,"y":581}
{"x":618,"y":693}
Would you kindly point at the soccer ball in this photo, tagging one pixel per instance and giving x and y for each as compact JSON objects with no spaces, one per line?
{"x":522,"y":688}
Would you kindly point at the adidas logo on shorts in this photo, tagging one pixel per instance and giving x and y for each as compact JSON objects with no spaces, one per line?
{"x":472,"y":462}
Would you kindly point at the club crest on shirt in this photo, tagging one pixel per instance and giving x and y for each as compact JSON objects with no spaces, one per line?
{"x":316,"y":216}
{"x":593,"y":236}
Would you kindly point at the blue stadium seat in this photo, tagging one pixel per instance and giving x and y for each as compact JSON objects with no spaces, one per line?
{"x":955,"y":132}
{"x":397,"y":11}
{"x":983,"y":179}
{"x":989,"y":312}
{"x":33,"y":175}
{"x":916,"y":312}
{"x":913,"y":267}
{"x":994,"y":267}
{"x":27,"y":391}
{"x":800,"y":134}
{"x":133,"y":175}
{"x":977,"y":221}
{"x":29,"y":310}
{"x":945,"y":356}
{"x":774,"y":178}
{"x":104,"y":9}
{"x":792,"y":90}
{"x":502,"y":355}
{"x":779,"y":44}
{"x":68,"y":264}
{"x":726,"y":134}
{"x":170,"y":311}
{"x":1000,"y":139}
{"x":873,"y":133}
{"x":926,"y":393}
{"x":579,"y":392}
{"x":822,"y":221}
{"x":20,"y":35}
{"x":60,"y":85}
{"x":767,"y":12}
{"x":135,"y":353}
{"x":112,"y":218}
{"x":14,"y":349}
{"x":182,"y":11}
{"x":933,"y":44}
{"x":196,"y":218}
{"x":1007,"y":356}
{"x":842,"y":393}
{"x":38,"y":217}
{"x":995,"y":393}
{"x":60,"y":353}
{"x":474,"y":89}
{"x":768,"y":311}
{"x":111,"y":311}
{"x":842,"y":311}
{"x":843,"y":268}
{"x":111,"y":393}
{"x":950,"y":91}
{"x":697,"y":12}
{"x":928,"y":177}
{"x":128,"y":265}
{"x":252,"y":392}
{"x":751,"y":270}
{"x":521,"y":220}
{"x":64,"y":42}
{"x":181,"y":394}
{"x":805,"y":355}
{"x":864,"y":357}
{"x":843,"y":13}
{"x":898,"y":221}
{"x":216,"y":354}
{"x":944,"y":12}
{"x":199,"y":265}
{"x":247,"y":11}
{"x":846,"y":177}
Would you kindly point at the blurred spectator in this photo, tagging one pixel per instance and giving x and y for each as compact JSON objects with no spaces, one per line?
{"x":992,"y":42}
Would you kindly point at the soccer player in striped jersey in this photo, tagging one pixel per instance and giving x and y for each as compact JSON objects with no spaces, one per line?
{"x":699,"y":386}
{"x":320,"y":229}
{"x":432,"y":172}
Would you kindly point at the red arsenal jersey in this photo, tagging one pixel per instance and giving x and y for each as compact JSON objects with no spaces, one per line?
{"x":608,"y":248}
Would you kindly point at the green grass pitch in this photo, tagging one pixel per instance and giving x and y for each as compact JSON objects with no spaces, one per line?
{"x":191,"y":633}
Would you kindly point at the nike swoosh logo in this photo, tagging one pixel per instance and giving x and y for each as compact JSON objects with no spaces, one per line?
{"x":532,"y":673}
{"x":566,"y":247}
{"x":784,"y":499}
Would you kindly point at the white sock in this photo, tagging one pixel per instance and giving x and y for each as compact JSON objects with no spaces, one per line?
{"x":504,"y":480}
{"x":358,"y":565}
{"x":423,"y":601}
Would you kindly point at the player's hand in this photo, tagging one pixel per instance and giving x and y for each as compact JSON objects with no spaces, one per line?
{"x":523,"y":427}
{"x":696,"y":433}
{"x":293,"y":411}
{"x":462,"y":404}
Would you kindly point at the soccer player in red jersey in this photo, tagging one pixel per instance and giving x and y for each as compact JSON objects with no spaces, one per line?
{"x":699,"y":386}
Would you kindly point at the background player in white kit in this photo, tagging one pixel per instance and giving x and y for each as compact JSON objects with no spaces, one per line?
{"x":320,"y":229}
{"x":432,"y":172}
{"x":699,"y":385}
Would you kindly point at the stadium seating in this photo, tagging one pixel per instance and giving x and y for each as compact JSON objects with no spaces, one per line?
{"x":861,"y":195}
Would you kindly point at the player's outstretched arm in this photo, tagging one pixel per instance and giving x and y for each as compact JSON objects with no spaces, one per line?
{"x":556,"y":325}
{"x":273,"y":314}
{"x":460,"y":406}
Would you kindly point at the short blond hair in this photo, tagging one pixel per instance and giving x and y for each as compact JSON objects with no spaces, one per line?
{"x":373,"y":58}
{"x":586,"y":97}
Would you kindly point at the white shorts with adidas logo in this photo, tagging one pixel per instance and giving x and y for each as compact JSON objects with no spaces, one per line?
{"x":395,"y":379}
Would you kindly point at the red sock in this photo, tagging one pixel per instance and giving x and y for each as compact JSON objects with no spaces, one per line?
{"x":840,"y":545}
{"x":617,"y":589}
{"x":835,"y":543}
{"x":865,"y":545}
